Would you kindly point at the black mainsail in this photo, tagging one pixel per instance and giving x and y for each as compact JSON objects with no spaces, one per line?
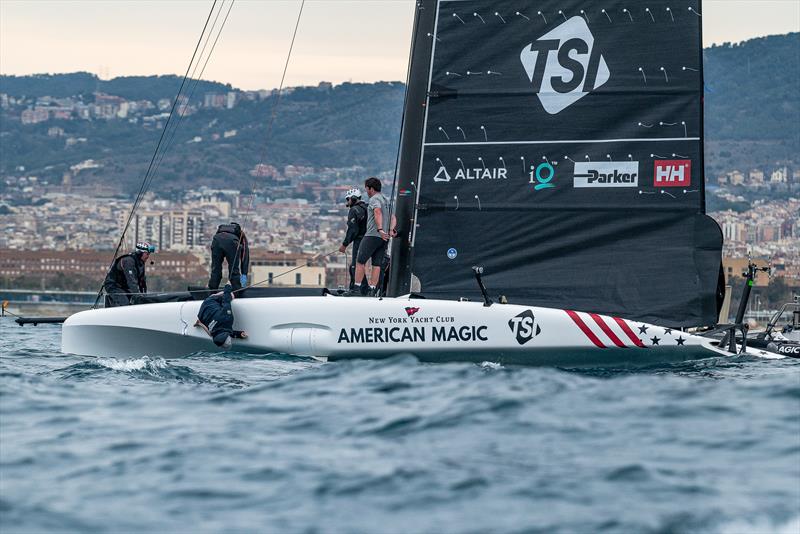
{"x":559,"y":143}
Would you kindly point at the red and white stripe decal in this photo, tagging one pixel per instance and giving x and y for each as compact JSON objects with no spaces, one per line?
{"x":605,"y":331}
{"x":627,"y":329}
{"x":585,"y":329}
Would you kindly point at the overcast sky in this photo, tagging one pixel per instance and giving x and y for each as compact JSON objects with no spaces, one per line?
{"x":338,"y":40}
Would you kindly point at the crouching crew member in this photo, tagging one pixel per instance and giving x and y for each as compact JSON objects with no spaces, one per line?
{"x":126,"y":276}
{"x":216,"y":318}
{"x":356,"y":228}
{"x":230,"y":244}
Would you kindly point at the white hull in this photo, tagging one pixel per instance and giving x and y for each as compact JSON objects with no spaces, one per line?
{"x":338,"y":328}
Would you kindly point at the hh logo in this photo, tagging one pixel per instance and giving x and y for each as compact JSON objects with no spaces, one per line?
{"x":524,"y":327}
{"x":564,"y":65}
{"x":672,"y":173}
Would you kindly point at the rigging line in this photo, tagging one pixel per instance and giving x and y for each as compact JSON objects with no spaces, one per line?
{"x":270,"y":124}
{"x":182,"y":111}
{"x":147,"y":178}
{"x":158,"y":145}
{"x":196,"y":81}
{"x":307,"y":263}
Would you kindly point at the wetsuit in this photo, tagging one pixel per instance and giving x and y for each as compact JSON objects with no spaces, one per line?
{"x":216,"y":314}
{"x":356,"y":228}
{"x":224,"y":246}
{"x":125,"y":277}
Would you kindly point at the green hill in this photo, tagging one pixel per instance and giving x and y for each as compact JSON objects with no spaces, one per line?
{"x":752,"y":113}
{"x":752,"y":105}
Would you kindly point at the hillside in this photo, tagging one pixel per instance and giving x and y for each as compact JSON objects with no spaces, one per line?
{"x":752,"y":105}
{"x":752,"y":113}
{"x":342,"y":126}
{"x":84,"y":83}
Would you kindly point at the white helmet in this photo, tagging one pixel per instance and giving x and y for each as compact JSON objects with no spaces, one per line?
{"x":353,"y":192}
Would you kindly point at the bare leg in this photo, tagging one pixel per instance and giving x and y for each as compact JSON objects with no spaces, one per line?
{"x":360,"y":268}
{"x":376,"y":275}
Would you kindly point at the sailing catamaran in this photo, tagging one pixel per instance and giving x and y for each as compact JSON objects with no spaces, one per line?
{"x":559,"y":145}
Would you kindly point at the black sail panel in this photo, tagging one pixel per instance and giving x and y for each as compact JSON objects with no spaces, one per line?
{"x":562,"y":150}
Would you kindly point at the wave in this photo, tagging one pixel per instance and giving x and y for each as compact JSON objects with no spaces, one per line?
{"x":790,"y":526}
{"x":147,"y":368}
{"x":136,"y":364}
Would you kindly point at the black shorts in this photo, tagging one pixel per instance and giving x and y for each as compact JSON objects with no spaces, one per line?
{"x":372,"y":247}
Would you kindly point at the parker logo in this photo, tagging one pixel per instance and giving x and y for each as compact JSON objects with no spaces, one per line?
{"x":411,"y":311}
{"x":467,"y":173}
{"x":672,"y":173}
{"x":607,"y":174}
{"x":524,"y":327}
{"x":564,"y":65}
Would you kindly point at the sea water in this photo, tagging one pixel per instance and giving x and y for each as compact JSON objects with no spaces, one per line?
{"x":231,"y":442}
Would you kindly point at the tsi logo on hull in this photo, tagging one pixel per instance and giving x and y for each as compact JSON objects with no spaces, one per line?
{"x":607,"y":174}
{"x":524,"y":327}
{"x":672,"y":173}
{"x":564,"y":65}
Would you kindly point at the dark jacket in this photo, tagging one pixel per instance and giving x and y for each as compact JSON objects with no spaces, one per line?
{"x":216,"y":314}
{"x":356,"y":223}
{"x":225,"y":246}
{"x":127,"y":273}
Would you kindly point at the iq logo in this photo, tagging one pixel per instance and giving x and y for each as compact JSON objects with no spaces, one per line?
{"x":452,"y":253}
{"x":524,"y":327}
{"x":672,"y":173}
{"x":563,"y":65}
{"x":542,"y":175}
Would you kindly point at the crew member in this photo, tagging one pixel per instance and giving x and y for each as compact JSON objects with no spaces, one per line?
{"x":379,"y":230}
{"x":356,"y":228}
{"x":126,"y":276}
{"x":216,"y":318}
{"x":230,"y":244}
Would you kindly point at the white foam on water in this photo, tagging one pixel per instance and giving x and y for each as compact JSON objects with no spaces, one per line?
{"x":136,"y":364}
{"x":792,"y":526}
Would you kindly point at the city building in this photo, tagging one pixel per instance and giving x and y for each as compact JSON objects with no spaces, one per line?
{"x":286,"y":270}
{"x":735,"y":178}
{"x":187,"y":230}
{"x":779,"y":176}
{"x":93,"y":264}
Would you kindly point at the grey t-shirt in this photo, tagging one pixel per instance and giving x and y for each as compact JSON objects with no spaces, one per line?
{"x":377,"y":201}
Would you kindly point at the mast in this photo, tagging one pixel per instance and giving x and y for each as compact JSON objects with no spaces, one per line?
{"x":411,"y":137}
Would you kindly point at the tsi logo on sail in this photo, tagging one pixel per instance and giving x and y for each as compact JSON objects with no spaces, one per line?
{"x":606,"y":174}
{"x":564,"y":65}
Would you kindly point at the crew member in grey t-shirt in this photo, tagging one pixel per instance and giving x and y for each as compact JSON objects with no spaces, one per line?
{"x":380,"y":227}
{"x":379,"y":202}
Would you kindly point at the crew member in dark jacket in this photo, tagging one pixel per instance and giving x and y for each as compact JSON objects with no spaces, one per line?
{"x":226,"y":245}
{"x":126,"y":276}
{"x":356,"y":228}
{"x":216,"y":318}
